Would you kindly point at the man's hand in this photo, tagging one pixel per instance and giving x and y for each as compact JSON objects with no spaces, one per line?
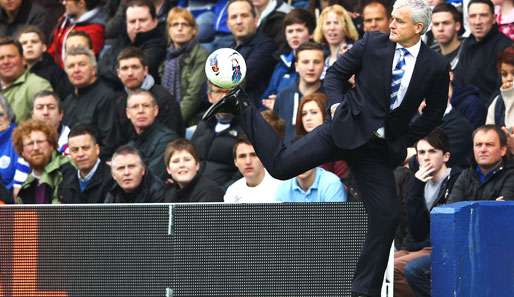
{"x":333,"y":109}
{"x":422,"y":106}
{"x":411,"y":152}
{"x":425,"y":172}
{"x":510,"y":138}
{"x":270,"y":102}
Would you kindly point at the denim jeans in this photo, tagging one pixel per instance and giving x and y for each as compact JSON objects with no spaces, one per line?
{"x":418,"y":274}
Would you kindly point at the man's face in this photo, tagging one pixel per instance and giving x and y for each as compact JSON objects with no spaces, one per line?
{"x":76,"y":41}
{"x":80,"y":71}
{"x":74,"y":8}
{"x":37,"y":151}
{"x":215,"y":93}
{"x":10,"y":5}
{"x":11,"y":63}
{"x":296,"y":34}
{"x":241,"y":21}
{"x":46,"y":109}
{"x":139,"y":20}
{"x":247,"y":162}
{"x":132,"y":73}
{"x":374,"y":18}
{"x":128,"y":171}
{"x":33,"y":47}
{"x":430,"y":156}
{"x":487,"y":149}
{"x":403,"y":30}
{"x":444,"y":27}
{"x":309,"y":65}
{"x":141,"y":111}
{"x":84,"y":152}
{"x":481,"y":20}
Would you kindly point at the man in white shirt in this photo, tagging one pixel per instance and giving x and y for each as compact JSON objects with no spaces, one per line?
{"x":256,"y":185}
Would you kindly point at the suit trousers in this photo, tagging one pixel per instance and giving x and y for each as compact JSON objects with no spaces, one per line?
{"x":373,"y":171}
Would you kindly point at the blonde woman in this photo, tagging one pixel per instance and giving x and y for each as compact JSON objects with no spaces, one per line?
{"x":336,"y":31}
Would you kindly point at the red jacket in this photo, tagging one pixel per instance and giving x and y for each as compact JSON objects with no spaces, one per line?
{"x":92,"y":22}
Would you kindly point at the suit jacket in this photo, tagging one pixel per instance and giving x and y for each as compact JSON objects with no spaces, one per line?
{"x":365,"y":108}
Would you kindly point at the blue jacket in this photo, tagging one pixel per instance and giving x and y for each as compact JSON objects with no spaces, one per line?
{"x":284,"y":107}
{"x":283,"y":76}
{"x":8,"y":157}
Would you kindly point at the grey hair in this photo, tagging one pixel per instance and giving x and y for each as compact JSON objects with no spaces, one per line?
{"x":79,"y":50}
{"x":142,"y":92}
{"x":124,"y":150}
{"x":7,"y":108}
{"x":421,"y":12}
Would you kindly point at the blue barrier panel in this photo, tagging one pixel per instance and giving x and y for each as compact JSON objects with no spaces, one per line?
{"x":473,"y":249}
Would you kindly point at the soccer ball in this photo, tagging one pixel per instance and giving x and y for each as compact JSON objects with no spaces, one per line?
{"x":225,"y":68}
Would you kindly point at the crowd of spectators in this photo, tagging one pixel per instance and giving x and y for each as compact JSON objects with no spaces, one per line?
{"x":103,"y":104}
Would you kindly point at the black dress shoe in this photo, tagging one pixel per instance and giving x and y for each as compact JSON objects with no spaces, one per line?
{"x":234,"y":102}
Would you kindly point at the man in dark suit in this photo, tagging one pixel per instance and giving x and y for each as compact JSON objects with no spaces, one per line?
{"x":371,"y":127}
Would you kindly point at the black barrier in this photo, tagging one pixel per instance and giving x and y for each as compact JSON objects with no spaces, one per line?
{"x":180,"y":250}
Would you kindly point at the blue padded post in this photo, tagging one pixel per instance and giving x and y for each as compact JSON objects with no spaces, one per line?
{"x":473,"y":249}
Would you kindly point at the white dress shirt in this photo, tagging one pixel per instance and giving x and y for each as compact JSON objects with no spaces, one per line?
{"x":410,"y":61}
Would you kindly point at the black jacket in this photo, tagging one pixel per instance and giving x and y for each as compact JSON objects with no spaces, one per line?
{"x":30,"y":13}
{"x":93,"y":105}
{"x":467,"y":101}
{"x":418,"y":216}
{"x":477,"y":63}
{"x":151,"y":190}
{"x":215,"y":151}
{"x":459,"y":132}
{"x":364,"y":108}
{"x":499,"y":183}
{"x":47,"y":69}
{"x":115,"y":10}
{"x":272,"y":24}
{"x":152,"y":144}
{"x":153,"y":44}
{"x":96,"y":190}
{"x":200,"y":189}
{"x":258,"y":54}
{"x":169,"y":113}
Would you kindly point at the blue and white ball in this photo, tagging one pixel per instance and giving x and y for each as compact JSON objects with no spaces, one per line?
{"x":225,"y":68}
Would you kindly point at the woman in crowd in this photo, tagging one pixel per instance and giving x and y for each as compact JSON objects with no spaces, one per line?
{"x":183,"y":69}
{"x":336,"y":30}
{"x":187,"y":184}
{"x":311,"y":115}
{"x":501,"y":110}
